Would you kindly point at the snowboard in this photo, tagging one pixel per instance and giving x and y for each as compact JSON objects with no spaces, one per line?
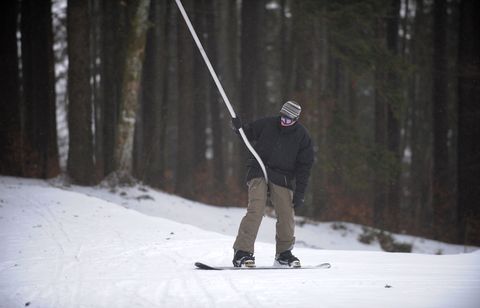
{"x":204,"y":266}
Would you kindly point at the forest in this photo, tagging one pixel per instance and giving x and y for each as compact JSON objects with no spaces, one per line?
{"x":116,"y":90}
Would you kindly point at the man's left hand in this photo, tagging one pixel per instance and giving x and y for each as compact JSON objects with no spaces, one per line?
{"x":298,"y":200}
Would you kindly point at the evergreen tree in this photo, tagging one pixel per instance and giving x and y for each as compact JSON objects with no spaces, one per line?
{"x":38,"y":83}
{"x":80,"y":151}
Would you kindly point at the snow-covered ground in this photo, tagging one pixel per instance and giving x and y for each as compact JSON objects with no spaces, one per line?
{"x":68,"y":246}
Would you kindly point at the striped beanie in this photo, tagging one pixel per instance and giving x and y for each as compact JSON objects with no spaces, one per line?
{"x":291,"y":109}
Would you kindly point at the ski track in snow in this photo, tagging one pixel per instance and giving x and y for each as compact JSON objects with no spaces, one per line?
{"x":78,"y":247}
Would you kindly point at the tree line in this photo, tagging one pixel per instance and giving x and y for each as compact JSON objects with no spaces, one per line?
{"x":390,"y":92}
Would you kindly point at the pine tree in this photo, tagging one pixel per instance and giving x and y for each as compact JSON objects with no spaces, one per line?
{"x":80,"y":164}
{"x":41,"y":151}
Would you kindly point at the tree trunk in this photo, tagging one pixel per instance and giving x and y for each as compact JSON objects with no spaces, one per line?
{"x":114,"y":25}
{"x":131,"y":87}
{"x":380,"y":179}
{"x":468,"y":194}
{"x":153,"y":96}
{"x":80,"y":163}
{"x":249,"y":58}
{"x":302,"y":54}
{"x":11,"y":150}
{"x":393,"y":119}
{"x":171,"y":98}
{"x":216,"y":103}
{"x":287,"y":63}
{"x":228,"y":69}
{"x":442,"y":203}
{"x":202,"y":93}
{"x":185,"y":115}
{"x":164,"y":114}
{"x":272,"y":59}
{"x":421,"y":141}
{"x":319,"y":181}
{"x":96,"y":22}
{"x":39,"y":89}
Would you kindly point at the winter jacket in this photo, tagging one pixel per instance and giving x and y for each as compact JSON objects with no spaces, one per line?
{"x":287,"y":152}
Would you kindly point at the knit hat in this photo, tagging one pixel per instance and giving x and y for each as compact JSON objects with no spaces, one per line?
{"x":291,"y":109}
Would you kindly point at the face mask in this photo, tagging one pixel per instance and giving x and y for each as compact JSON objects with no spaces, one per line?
{"x":286,"y":121}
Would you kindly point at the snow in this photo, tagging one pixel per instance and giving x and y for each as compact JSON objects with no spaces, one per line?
{"x":272,"y":5}
{"x":68,"y":246}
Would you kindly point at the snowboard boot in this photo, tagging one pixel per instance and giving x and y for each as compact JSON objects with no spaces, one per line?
{"x":243,"y":259}
{"x":286,"y":259}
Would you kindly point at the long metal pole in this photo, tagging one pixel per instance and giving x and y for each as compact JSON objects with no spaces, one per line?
{"x":219,"y":86}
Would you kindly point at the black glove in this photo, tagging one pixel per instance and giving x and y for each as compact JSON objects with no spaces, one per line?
{"x":236,"y":123}
{"x":298,"y":200}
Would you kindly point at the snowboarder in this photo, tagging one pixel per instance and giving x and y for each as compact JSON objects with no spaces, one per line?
{"x":285,"y":147}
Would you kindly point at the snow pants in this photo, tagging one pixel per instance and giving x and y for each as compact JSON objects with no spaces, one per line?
{"x":281,"y":199}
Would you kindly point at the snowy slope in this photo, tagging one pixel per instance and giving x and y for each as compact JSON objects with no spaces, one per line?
{"x":331,"y":235}
{"x":79,"y":247}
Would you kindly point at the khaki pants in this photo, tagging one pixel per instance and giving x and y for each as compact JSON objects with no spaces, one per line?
{"x":281,"y":198}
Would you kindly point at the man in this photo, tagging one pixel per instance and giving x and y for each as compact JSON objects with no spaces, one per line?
{"x":285,"y":148}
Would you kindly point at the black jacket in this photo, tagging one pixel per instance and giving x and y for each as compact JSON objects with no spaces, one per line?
{"x":287,"y":152}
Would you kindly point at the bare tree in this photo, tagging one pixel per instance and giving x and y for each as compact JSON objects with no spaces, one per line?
{"x":131,"y":87}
